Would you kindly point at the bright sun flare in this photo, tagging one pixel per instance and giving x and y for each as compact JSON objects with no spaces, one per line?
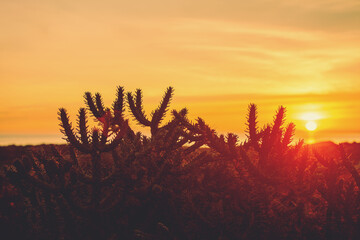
{"x":311,"y":125}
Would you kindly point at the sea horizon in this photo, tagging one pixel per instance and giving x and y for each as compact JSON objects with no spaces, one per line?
{"x":38,"y":139}
{"x":30,"y":139}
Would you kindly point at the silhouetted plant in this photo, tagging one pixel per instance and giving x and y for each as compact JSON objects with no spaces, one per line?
{"x":271,"y":173}
{"x":341,"y":196}
{"x":67,"y":186}
{"x":94,"y":189}
{"x":184,"y":181}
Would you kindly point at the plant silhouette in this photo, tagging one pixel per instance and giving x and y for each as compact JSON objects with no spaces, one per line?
{"x":184,"y":181}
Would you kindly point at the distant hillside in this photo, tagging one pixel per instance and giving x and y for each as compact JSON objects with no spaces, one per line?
{"x":330,"y":149}
{"x":327,"y":148}
{"x":11,"y":152}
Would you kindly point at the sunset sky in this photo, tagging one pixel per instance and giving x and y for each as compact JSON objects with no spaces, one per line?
{"x":219,"y":55}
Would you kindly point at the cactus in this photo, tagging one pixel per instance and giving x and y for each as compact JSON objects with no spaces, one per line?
{"x":92,"y":189}
{"x":184,"y":181}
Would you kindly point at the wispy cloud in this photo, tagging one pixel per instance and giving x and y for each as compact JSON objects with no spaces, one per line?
{"x":227,"y":52}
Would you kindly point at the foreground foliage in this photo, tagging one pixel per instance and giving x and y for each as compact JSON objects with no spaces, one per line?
{"x":184,"y":181}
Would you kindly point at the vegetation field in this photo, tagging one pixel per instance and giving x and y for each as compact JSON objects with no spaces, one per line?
{"x":184,"y":181}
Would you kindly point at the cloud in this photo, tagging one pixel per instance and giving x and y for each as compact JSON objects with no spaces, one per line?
{"x":348,"y":70}
{"x":215,"y":53}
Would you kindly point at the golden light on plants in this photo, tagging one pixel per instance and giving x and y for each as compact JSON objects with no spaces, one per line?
{"x":311,"y":125}
{"x":256,"y":135}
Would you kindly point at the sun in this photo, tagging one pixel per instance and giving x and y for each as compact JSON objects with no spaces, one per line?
{"x":311,"y":125}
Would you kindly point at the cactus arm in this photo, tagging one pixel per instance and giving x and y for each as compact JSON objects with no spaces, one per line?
{"x":105,"y":129}
{"x":160,"y":112}
{"x":265,"y":146}
{"x":288,"y":135}
{"x":91,"y":105}
{"x":252,"y":126}
{"x":82,"y":127}
{"x":118,"y":105}
{"x":136,"y":108}
{"x":99,"y":104}
{"x":278,"y":122}
{"x":69,"y":132}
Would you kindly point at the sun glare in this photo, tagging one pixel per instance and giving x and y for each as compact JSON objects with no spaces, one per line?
{"x":311,"y":125}
{"x":311,"y":116}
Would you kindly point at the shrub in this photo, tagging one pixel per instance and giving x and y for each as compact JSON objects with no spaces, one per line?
{"x":184,"y":181}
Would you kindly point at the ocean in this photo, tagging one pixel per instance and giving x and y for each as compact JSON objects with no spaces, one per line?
{"x":30,"y":139}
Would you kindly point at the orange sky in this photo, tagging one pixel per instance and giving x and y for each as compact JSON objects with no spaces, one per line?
{"x":218,"y":55}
